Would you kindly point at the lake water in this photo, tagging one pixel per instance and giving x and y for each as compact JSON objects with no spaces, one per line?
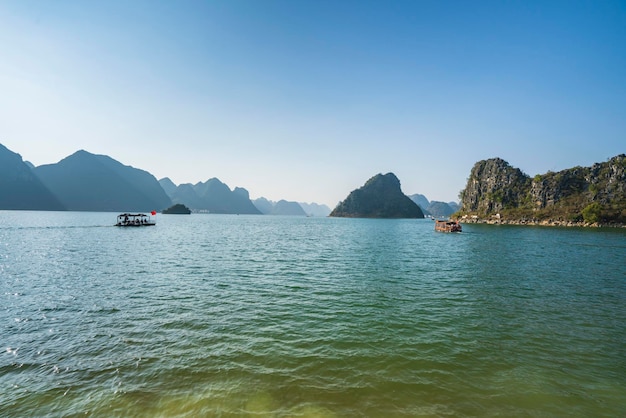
{"x":219,"y":315}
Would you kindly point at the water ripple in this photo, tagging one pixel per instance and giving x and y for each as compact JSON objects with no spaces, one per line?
{"x":270,"y":316}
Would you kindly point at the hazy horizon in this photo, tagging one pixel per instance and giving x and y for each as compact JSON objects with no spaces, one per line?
{"x":305,"y":101}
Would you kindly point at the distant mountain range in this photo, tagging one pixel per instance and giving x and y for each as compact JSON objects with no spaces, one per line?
{"x":282,"y":207}
{"x":89,"y":182}
{"x":315,"y":209}
{"x":212,"y":196}
{"x":495,"y":190}
{"x":285,"y":208}
{"x":435,"y":209}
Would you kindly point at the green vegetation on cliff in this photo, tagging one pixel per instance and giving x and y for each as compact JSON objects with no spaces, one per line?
{"x":595,"y":194}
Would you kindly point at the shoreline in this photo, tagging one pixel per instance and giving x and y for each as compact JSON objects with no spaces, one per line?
{"x":537,"y":222}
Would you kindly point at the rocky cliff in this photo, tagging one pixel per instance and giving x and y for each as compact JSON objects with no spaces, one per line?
{"x":380,"y":197}
{"x":595,"y":194}
{"x":494,"y":185}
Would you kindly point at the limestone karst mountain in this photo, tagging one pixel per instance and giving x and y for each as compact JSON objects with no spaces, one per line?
{"x":380,"y":197}
{"x":595,"y":194}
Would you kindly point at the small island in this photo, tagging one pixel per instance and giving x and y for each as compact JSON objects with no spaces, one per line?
{"x":380,"y":197}
{"x":177,"y":209}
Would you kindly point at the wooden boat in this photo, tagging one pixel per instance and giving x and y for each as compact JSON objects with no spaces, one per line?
{"x":447,"y":226}
{"x":135,"y":219}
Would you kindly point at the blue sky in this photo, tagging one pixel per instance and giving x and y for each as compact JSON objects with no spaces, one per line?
{"x":306,"y":100}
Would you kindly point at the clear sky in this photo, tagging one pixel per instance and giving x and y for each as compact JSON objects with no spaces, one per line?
{"x":306,"y":100}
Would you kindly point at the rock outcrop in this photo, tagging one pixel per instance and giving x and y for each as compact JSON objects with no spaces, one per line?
{"x":380,"y":197}
{"x":494,"y":185}
{"x":577,"y":195}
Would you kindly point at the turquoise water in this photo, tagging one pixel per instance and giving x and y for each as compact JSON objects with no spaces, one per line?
{"x":218,"y":315}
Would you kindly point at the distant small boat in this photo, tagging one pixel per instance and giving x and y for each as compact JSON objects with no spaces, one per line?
{"x":447,"y":226}
{"x":136,"y":219}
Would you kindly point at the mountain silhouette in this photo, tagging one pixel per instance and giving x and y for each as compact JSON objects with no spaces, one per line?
{"x":380,"y":197}
{"x":212,"y":196}
{"x":315,"y":209}
{"x":20,"y":188}
{"x":282,"y":207}
{"x":90,"y":182}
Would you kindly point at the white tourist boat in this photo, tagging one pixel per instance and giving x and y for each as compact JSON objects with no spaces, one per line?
{"x":135,"y":219}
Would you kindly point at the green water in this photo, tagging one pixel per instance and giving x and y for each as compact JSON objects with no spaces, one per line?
{"x":216,"y":315}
